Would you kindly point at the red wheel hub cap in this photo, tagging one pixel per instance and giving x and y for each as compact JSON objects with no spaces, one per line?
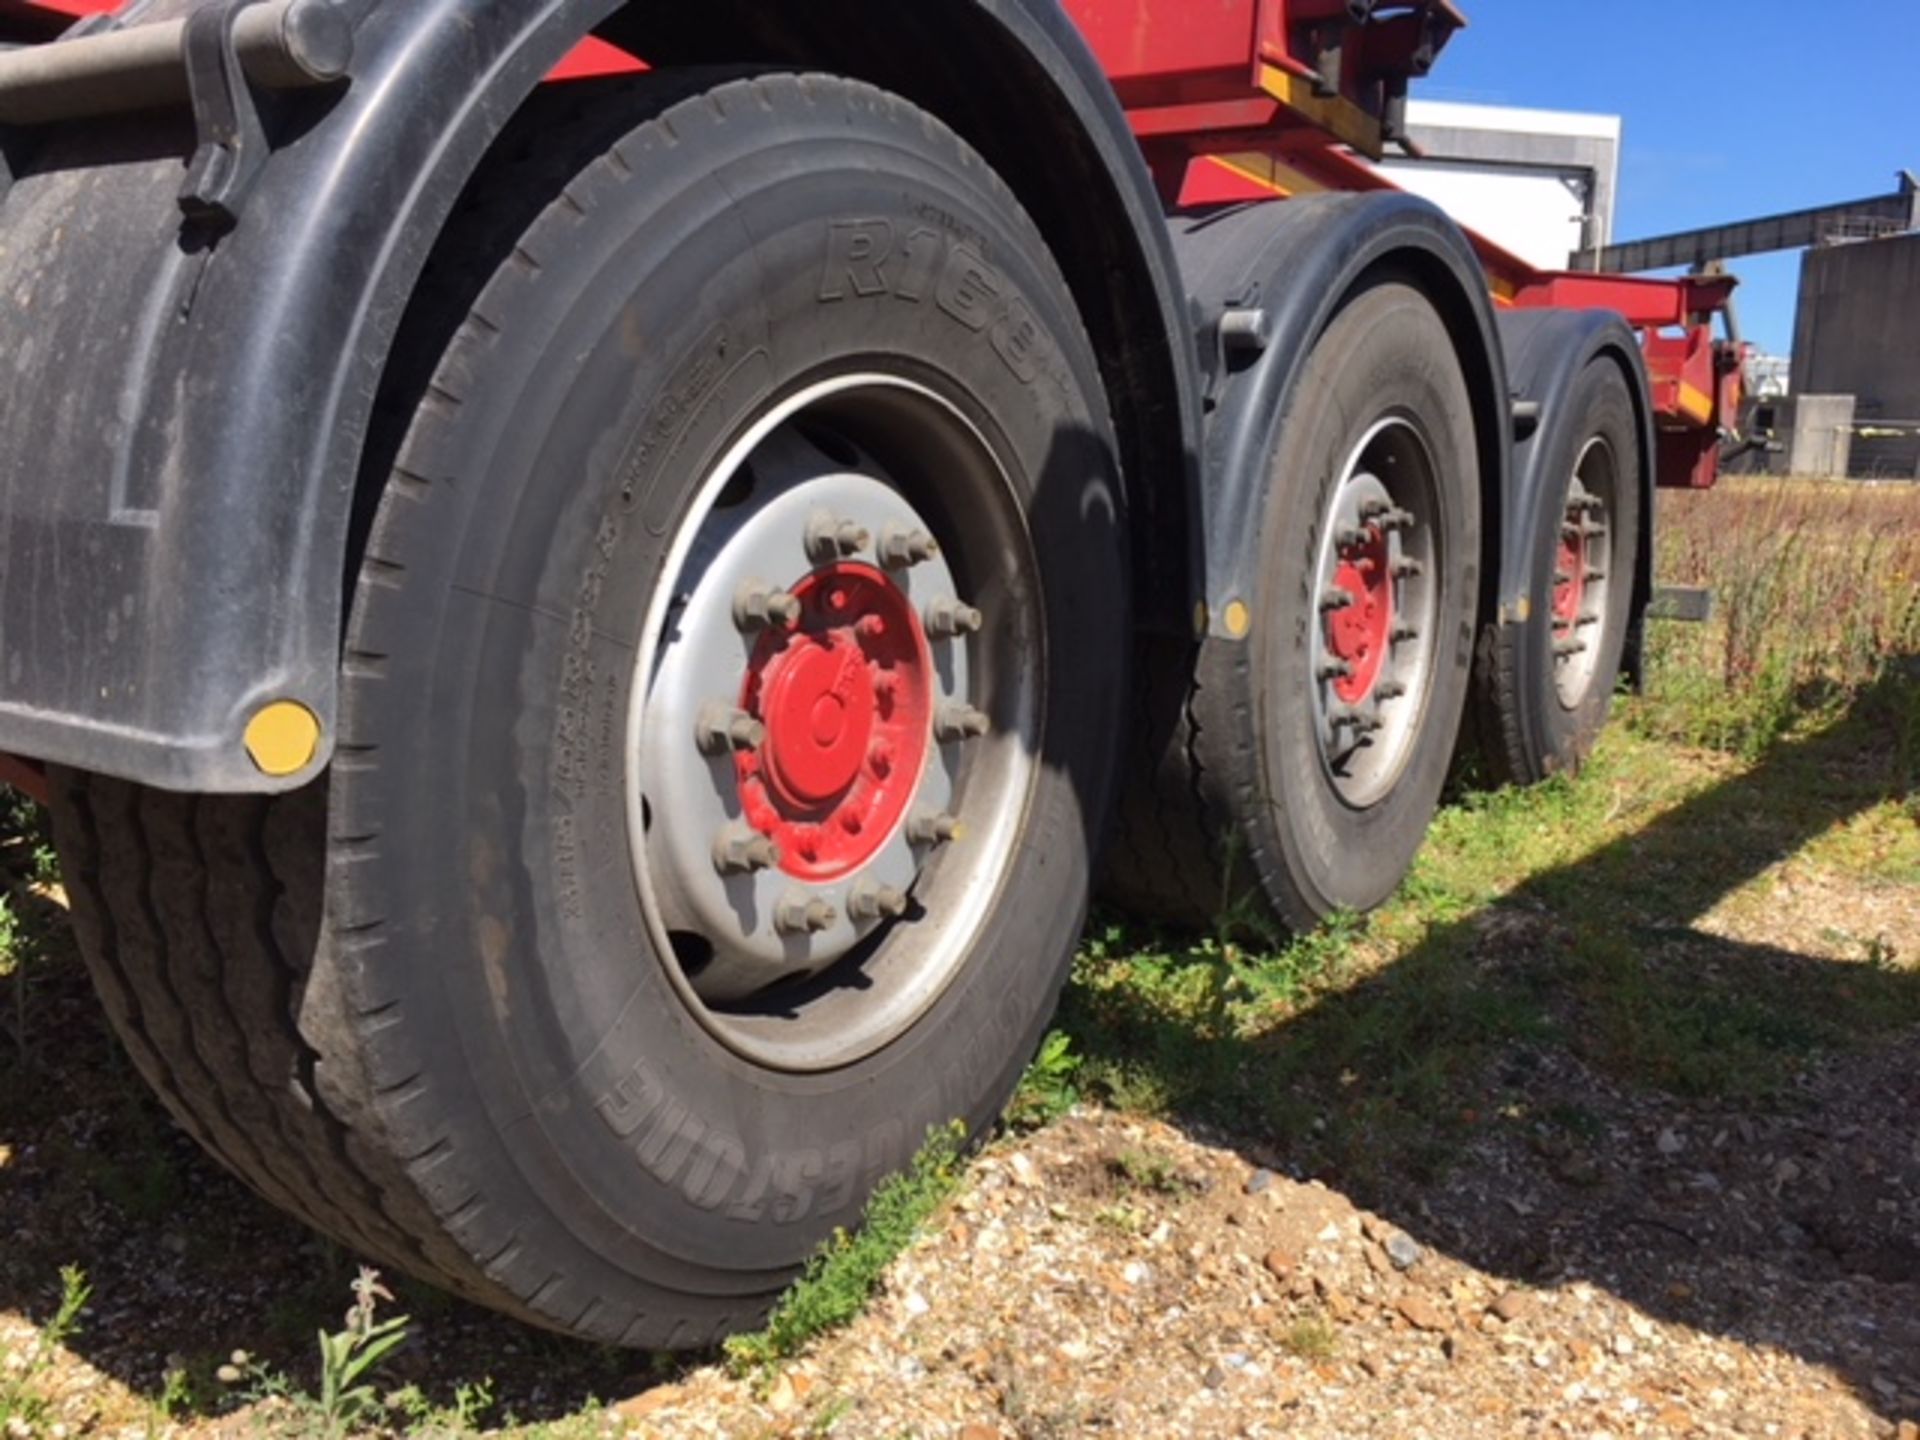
{"x":846,"y":696}
{"x":1570,"y":593}
{"x":1361,"y":633}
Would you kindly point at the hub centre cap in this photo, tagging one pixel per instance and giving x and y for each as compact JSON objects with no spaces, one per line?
{"x":1360,"y":632}
{"x":846,"y":698}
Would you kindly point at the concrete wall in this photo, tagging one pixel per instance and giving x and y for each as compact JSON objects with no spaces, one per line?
{"x":1858,"y":334}
{"x":1816,"y":432}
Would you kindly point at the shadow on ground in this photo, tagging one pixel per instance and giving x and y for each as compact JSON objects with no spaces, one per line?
{"x":1578,"y":1082}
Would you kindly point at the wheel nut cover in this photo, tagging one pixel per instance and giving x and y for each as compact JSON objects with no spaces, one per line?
{"x":846,"y":699}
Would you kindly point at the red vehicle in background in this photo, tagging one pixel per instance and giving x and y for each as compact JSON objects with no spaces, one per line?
{"x":586,"y":583}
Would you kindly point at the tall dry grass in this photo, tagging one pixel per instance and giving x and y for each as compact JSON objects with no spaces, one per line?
{"x":1816,"y":598}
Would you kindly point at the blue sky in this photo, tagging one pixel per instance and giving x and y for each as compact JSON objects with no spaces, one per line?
{"x":1733,"y":108}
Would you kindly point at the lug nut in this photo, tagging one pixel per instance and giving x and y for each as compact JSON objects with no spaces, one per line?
{"x":1596,"y":574}
{"x":871,"y":900}
{"x":1336,"y":670}
{"x":743,"y":851}
{"x":933,"y":829}
{"x":1335,"y":599}
{"x":799,"y":914}
{"x":1348,"y":538}
{"x":723,"y":729}
{"x":902,"y":548}
{"x":758,"y":606}
{"x":1392,"y":690}
{"x":1407,"y":569}
{"x":1386,"y":515}
{"x":1567,"y":649}
{"x":829,"y":538}
{"x":1353,"y":720}
{"x":1562,"y":577}
{"x":1585,"y":620}
{"x":959,"y":722}
{"x":1402,"y":633}
{"x":946,"y":619}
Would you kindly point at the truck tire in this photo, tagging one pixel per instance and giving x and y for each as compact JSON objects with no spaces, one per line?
{"x":1546,"y":683}
{"x":1310,"y":756}
{"x":727,"y":719}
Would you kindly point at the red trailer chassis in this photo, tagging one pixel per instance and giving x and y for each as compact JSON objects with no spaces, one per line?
{"x":1235,"y":101}
{"x":1249,"y":100}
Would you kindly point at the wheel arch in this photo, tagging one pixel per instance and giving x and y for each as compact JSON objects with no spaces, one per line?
{"x":1547,"y":352}
{"x":1301,"y":263}
{"x":195,"y":613}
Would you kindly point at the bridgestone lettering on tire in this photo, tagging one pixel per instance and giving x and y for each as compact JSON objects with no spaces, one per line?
{"x":1310,"y":757}
{"x":728,"y":716}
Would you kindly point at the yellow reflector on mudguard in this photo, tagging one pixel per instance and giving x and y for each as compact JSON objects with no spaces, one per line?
{"x":283,"y":738}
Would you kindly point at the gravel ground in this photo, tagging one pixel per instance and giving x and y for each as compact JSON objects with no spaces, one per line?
{"x":1681,"y":1274}
{"x":1593,"y":1258}
{"x":1676,"y":1272}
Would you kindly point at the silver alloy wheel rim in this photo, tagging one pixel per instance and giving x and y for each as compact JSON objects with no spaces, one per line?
{"x":1366,"y":742}
{"x":1587,"y":523}
{"x":824,"y":998}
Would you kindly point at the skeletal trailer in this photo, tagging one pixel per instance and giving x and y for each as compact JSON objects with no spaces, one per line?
{"x":585,"y":581}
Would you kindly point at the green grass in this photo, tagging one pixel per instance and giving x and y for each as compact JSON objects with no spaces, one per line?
{"x":1565,"y":916}
{"x":1817,"y":592}
{"x":842,"y":1276}
{"x":23,"y":1409}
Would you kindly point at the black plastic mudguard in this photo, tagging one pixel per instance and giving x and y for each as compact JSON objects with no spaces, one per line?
{"x":1293,"y":266}
{"x":1546,"y":352}
{"x":185,"y":412}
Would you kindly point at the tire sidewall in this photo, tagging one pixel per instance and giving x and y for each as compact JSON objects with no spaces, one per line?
{"x":649,"y":339}
{"x":1599,"y":405}
{"x":1387,"y":353}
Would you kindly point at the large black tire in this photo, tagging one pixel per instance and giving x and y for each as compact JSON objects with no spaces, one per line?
{"x":422,"y":1004}
{"x":1234,"y":818}
{"x":1544,"y":685}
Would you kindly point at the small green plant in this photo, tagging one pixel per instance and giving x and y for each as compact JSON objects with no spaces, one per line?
{"x":13,"y":968}
{"x":423,"y":1420}
{"x":1882,"y":954}
{"x":349,"y":1357}
{"x":830,"y":1415}
{"x":1127,"y":1219}
{"x":1047,"y":1091}
{"x":1311,"y":1337}
{"x":837,"y":1282}
{"x":22,"y":1409}
{"x":1147,"y":1170}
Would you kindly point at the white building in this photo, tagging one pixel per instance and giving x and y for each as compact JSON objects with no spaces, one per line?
{"x":1541,"y":183}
